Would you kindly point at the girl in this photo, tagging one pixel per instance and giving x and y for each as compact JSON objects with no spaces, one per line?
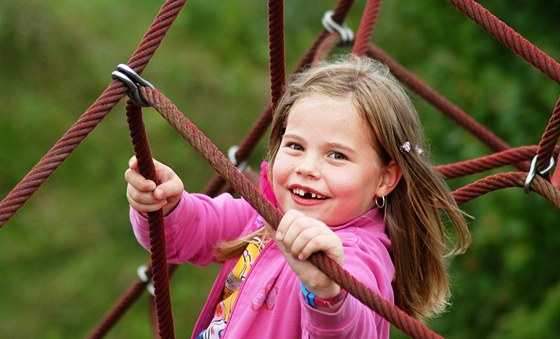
{"x":346,"y":168}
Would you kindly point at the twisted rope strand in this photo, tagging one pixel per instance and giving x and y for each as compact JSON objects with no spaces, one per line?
{"x":121,"y":306}
{"x":549,"y":139}
{"x":508,"y":157}
{"x":340,"y":12}
{"x":62,"y":149}
{"x":157,"y":237}
{"x":276,"y":49}
{"x":506,"y":180}
{"x":365,"y":30}
{"x":438,"y":101}
{"x":509,"y":37}
{"x":246,"y":189}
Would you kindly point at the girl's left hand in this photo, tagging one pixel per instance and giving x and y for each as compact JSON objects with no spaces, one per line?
{"x":299,"y":236}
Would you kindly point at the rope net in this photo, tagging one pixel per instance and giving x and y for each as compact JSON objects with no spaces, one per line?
{"x":533,"y":162}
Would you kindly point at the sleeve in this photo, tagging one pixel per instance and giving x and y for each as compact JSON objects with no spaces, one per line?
{"x":196,"y":225}
{"x":354,"y":319}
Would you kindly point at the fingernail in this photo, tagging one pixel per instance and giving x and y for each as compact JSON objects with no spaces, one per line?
{"x":279,"y":236}
{"x":158,"y":193}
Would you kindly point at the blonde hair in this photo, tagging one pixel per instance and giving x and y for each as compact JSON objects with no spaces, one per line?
{"x":421,"y":209}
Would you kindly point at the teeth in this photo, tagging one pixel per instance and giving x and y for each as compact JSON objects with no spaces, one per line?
{"x":302,"y":193}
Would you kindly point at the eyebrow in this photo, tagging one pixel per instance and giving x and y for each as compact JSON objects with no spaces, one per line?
{"x":342,"y":147}
{"x":335,"y":145}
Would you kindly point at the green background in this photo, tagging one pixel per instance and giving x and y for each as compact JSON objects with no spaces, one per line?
{"x":69,"y":253}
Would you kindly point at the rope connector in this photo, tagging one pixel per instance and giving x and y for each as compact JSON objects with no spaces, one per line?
{"x":233,"y":158}
{"x":132,"y":80}
{"x":533,"y":171}
{"x":346,"y":34}
{"x":142,"y":272}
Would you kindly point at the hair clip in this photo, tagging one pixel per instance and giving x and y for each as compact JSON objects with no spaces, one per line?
{"x":407,"y":147}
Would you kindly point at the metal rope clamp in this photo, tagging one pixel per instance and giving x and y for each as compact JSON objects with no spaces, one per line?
{"x":533,"y":171}
{"x":233,"y":158}
{"x":133,"y":81}
{"x":142,"y":272}
{"x":346,"y":34}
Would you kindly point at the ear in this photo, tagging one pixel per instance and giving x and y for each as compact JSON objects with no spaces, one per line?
{"x":390,"y":176}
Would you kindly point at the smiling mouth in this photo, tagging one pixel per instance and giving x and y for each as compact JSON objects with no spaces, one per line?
{"x":307,"y":195}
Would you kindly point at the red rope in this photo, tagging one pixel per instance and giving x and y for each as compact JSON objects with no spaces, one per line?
{"x":340,"y":12}
{"x":508,"y":157}
{"x":121,"y":306}
{"x":509,"y":37}
{"x":506,"y":180}
{"x":549,"y":139}
{"x":91,"y":118}
{"x":276,"y":49}
{"x":438,"y":101}
{"x":158,"y":253}
{"x":365,"y":30}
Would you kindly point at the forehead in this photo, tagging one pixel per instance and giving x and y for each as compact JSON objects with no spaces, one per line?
{"x":331,"y":117}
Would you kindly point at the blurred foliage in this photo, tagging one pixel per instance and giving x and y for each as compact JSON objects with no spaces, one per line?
{"x":69,"y":253}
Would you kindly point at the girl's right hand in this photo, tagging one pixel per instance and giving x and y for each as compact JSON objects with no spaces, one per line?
{"x":145,"y":196}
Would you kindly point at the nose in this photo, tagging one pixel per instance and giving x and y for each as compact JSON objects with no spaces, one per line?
{"x":308,"y":167}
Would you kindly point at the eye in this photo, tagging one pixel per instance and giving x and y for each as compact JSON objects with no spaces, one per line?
{"x":294,"y":146}
{"x":337,"y":156}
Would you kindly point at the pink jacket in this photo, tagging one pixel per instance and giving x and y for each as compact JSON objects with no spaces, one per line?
{"x":270,"y":303}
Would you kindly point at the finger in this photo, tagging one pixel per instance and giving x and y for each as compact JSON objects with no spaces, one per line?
{"x":133,"y":163}
{"x":170,"y":188}
{"x":286,"y":223}
{"x":145,"y":207}
{"x":306,"y":242}
{"x":138,"y":181}
{"x":142,"y":197}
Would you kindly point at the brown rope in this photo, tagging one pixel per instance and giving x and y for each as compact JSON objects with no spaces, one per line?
{"x":549,"y":139}
{"x":276,"y":49}
{"x":119,"y":309}
{"x":439,"y":101}
{"x":91,"y":118}
{"x":246,"y":189}
{"x":509,"y":37}
{"x":508,"y":157}
{"x":340,"y":12}
{"x":158,"y":253}
{"x":506,"y":180}
{"x":365,"y":30}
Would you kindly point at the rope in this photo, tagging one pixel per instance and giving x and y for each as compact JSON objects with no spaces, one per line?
{"x":508,"y":157}
{"x":276,"y":49}
{"x":549,"y":138}
{"x":341,"y":10}
{"x":90,"y":118}
{"x":119,"y":309}
{"x":158,"y":254}
{"x":509,"y":37}
{"x":365,"y":30}
{"x":438,"y":101}
{"x":506,"y":180}
{"x":247,"y":190}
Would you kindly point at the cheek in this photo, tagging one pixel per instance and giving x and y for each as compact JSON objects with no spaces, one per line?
{"x":354,"y":186}
{"x":280,"y":170}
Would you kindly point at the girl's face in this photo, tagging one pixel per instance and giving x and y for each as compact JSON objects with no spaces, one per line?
{"x":326,"y":166}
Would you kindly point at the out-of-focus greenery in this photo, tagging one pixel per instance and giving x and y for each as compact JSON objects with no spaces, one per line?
{"x":69,"y":253}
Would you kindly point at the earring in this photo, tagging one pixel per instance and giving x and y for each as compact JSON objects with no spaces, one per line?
{"x":380,"y":202}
